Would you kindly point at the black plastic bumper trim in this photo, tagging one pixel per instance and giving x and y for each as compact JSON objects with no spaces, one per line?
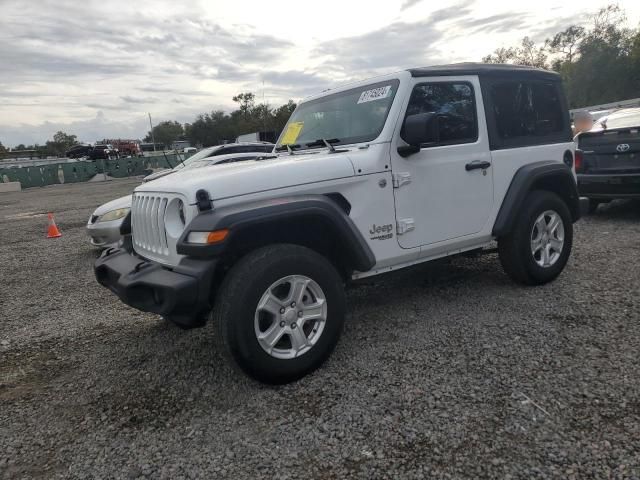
{"x":180,"y":293}
{"x":609,"y":185}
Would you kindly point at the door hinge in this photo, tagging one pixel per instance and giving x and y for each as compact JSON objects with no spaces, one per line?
{"x":400,"y":179}
{"x":405,"y":225}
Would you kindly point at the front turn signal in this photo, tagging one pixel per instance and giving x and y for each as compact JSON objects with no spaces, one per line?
{"x":208,"y":238}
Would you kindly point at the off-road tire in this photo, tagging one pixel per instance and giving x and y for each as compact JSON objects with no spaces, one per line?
{"x":515,"y":248}
{"x":238,"y":298}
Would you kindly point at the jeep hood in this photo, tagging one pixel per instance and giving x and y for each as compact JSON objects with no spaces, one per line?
{"x":246,"y":177}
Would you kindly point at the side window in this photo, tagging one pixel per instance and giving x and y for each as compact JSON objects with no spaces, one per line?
{"x":225,"y":151}
{"x":454,"y":103}
{"x":251,"y":149}
{"x":526,"y":109}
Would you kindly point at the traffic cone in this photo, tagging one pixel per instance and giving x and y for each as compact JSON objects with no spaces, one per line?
{"x":52,"y":231}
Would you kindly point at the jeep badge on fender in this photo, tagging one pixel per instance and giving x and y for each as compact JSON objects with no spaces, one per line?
{"x":268,"y":258}
{"x":381,"y":232}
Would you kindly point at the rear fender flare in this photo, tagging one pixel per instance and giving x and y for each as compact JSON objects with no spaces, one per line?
{"x":544,"y":175}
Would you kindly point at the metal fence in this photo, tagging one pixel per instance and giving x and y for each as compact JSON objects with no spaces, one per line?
{"x":84,"y":170}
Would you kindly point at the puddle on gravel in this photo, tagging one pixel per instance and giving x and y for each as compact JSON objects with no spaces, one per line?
{"x":24,"y":374}
{"x":20,"y":216}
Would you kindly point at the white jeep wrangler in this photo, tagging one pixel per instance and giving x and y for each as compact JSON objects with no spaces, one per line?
{"x":367,"y":178}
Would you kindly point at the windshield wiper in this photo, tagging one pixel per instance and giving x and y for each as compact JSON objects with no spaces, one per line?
{"x":288,"y":146}
{"x":323,"y":141}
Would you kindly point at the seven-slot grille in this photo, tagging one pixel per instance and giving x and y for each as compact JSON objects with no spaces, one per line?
{"x":147,"y":223}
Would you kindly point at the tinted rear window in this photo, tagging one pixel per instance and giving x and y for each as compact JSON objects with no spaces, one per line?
{"x":526,"y":109}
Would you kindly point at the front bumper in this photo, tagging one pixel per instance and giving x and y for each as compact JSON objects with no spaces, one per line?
{"x":180,"y":294}
{"x":104,"y":234}
{"x":623,"y":185}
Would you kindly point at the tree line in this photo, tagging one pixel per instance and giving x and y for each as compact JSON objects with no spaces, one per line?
{"x":206,"y":130}
{"x":55,"y":147}
{"x":599,"y":59}
{"x":218,"y":127}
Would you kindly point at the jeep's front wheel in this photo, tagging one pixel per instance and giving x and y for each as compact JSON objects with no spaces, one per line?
{"x":279,"y":312}
{"x":538,"y":247}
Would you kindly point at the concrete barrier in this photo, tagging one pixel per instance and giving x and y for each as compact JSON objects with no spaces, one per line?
{"x":84,"y":170}
{"x":10,"y":187}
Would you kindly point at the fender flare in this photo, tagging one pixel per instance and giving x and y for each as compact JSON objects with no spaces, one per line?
{"x":238,"y":218}
{"x":525,"y":180}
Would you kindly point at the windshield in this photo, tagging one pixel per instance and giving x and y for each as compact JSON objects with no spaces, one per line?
{"x":352,"y":116}
{"x":204,"y":153}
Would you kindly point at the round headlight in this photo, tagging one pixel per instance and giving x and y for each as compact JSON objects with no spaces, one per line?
{"x":175,"y":218}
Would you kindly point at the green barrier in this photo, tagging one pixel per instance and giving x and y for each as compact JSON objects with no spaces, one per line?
{"x":83,"y":171}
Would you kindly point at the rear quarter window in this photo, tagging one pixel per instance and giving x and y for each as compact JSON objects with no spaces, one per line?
{"x":526,"y":109}
{"x":526,"y":112}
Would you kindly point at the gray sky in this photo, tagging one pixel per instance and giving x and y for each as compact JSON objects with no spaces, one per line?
{"x":94,"y":68}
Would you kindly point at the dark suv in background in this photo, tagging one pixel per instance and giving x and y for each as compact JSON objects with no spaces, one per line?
{"x":608,"y":159}
{"x":106,"y":152}
{"x":78,"y":151}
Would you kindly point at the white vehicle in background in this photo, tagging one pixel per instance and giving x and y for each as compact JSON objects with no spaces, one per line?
{"x":370,"y":177}
{"x":266,"y":137}
{"x":104,"y":223}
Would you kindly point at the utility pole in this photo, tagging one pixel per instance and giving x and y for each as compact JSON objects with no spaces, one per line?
{"x":264,"y":111}
{"x":153,"y":139}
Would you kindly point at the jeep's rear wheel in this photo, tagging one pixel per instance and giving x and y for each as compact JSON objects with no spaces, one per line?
{"x":538,"y":247}
{"x":279,"y":312}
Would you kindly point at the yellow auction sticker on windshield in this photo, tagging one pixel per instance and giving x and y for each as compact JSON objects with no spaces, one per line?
{"x":291,"y":135}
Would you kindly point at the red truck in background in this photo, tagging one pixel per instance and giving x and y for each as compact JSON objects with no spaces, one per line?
{"x":125,"y":147}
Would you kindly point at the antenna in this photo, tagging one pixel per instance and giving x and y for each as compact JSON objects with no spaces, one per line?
{"x":153,"y":139}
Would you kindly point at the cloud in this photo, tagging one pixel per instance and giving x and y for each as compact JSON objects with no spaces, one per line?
{"x":495,"y":23}
{"x":397,"y":45}
{"x":83,"y":66}
{"x":132,"y":99}
{"x":408,"y":4}
{"x":77,"y":63}
{"x":90,"y":129}
{"x":304,"y":83}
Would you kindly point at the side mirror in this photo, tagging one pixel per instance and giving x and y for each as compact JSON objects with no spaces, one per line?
{"x":418,"y":130}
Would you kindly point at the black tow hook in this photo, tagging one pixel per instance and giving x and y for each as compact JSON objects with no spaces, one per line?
{"x":140,"y":266}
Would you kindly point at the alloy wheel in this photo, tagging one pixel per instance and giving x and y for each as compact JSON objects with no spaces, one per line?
{"x":547,"y":238}
{"x":290,"y":317}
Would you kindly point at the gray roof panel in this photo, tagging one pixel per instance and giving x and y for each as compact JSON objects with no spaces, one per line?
{"x":485,"y":69}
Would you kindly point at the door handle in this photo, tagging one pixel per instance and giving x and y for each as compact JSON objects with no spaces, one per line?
{"x":476,"y":164}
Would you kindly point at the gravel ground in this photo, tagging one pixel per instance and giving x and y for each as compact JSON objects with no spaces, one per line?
{"x":444,"y":371}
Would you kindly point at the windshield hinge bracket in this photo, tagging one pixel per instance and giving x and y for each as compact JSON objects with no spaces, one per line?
{"x":405,"y":225}
{"x":400,"y":179}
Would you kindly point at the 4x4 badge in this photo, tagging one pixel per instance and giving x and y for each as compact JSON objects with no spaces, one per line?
{"x":623,"y":147}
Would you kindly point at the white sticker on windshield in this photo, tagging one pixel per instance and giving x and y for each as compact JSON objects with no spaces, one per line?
{"x":374,"y":94}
